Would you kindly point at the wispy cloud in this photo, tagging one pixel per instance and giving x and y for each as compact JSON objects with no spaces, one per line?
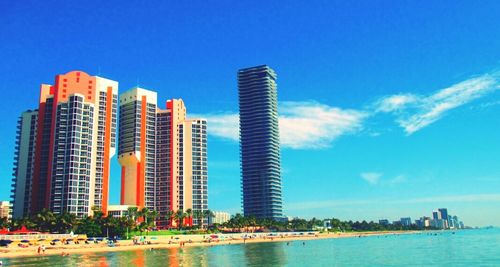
{"x":376,"y":178}
{"x":395,"y":103}
{"x":415,"y":112}
{"x":225,"y":125}
{"x":371,"y":177}
{"x":397,"y":180}
{"x":302,"y":124}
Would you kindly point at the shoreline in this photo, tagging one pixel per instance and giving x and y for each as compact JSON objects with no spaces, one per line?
{"x":167,"y":242}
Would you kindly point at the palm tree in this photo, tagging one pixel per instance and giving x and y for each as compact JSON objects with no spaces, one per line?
{"x":208,"y":214}
{"x":131,"y":218}
{"x":45,"y":220}
{"x":179,"y":216}
{"x":65,"y":222}
{"x":4,"y":222}
{"x":198,"y":215}
{"x":144,"y":214}
{"x":132,"y":213}
{"x":153,"y":215}
{"x":189,"y":215}
{"x":169,"y":216}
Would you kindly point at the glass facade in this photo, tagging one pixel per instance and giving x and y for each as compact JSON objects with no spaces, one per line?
{"x":259,"y":143}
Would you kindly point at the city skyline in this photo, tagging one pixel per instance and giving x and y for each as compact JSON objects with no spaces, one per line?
{"x":398,"y":110}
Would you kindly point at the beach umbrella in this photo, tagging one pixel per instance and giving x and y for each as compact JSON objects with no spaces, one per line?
{"x":41,"y":239}
{"x":56,"y":240}
{"x":5,"y":242}
{"x":25,"y":241}
{"x":81,"y":239}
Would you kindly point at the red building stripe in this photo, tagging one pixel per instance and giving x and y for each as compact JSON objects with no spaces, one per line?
{"x":142,"y":170}
{"x":51,"y":145}
{"x":36,"y":172}
{"x":107,"y":144}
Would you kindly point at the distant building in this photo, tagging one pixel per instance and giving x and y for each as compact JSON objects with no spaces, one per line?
{"x":383,"y":222}
{"x":456,"y":222}
{"x":427,"y":221}
{"x":423,"y":222}
{"x":220,"y":217}
{"x":5,"y":209}
{"x":439,"y":223}
{"x":419,"y":223}
{"x":405,"y":221}
{"x":443,"y":212}
{"x":118,"y":211}
{"x":327,"y":224}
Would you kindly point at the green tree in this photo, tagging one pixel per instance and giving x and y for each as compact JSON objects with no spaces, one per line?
{"x":170,"y":216}
{"x":65,"y":222}
{"x":208,"y":214}
{"x":45,"y":221}
{"x":179,"y":217}
{"x":189,"y":215}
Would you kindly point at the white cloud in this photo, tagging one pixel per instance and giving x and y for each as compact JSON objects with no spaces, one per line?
{"x":416,"y":112}
{"x":314,"y":125}
{"x":223,"y":125}
{"x":395,"y":102}
{"x":302,"y":124}
{"x":397,"y":180}
{"x":371,"y":177}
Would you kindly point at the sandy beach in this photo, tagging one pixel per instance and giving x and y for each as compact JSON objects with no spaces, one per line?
{"x":165,"y":242}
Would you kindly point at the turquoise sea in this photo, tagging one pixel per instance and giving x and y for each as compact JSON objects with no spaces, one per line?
{"x":479,"y":247}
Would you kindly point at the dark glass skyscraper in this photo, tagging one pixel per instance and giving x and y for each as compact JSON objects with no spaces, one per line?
{"x":259,"y":143}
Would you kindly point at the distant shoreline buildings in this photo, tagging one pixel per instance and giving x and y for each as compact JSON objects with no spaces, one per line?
{"x":440,"y":220}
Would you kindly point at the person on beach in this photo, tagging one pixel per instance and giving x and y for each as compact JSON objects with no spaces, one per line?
{"x":43,"y":249}
{"x":39,"y":250}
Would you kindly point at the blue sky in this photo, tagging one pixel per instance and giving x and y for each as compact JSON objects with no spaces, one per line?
{"x":387,"y":109}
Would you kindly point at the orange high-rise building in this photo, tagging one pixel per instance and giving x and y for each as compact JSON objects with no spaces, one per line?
{"x":67,"y":154}
{"x":163,"y":156}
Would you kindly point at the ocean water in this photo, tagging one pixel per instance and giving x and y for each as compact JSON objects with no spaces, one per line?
{"x":463,"y":248}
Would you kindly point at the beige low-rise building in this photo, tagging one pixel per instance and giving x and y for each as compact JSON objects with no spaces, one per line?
{"x":5,"y":209}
